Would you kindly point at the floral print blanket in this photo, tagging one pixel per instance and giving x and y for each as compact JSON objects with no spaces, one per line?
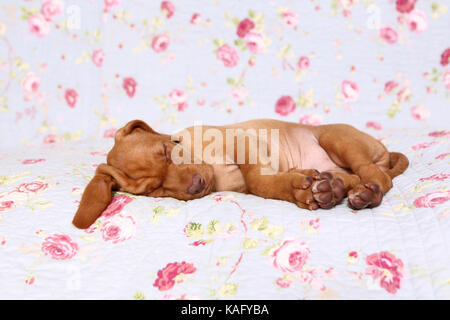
{"x":226,"y":245}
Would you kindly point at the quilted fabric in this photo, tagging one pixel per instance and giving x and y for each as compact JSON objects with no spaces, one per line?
{"x":226,"y":245}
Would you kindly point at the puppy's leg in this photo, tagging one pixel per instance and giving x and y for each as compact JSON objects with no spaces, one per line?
{"x":365,"y":156}
{"x":293,"y":186}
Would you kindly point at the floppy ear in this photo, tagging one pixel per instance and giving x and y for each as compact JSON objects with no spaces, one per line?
{"x":96,"y":198}
{"x":97,"y":195}
{"x":130,"y":126}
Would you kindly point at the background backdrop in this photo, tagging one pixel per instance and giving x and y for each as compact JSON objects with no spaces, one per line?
{"x":72,"y":70}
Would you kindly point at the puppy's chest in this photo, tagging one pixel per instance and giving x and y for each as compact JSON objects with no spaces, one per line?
{"x":229,"y":178}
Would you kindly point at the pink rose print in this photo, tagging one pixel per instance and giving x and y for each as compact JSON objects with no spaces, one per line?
{"x":303,"y":63}
{"x":445,"y":57}
{"x":117,"y":204}
{"x":389,"y":35}
{"x":71,"y":97}
{"x":436,"y":177}
{"x":168,"y":7}
{"x":31,"y":83}
{"x":239,"y":93}
{"x":38,"y":25}
{"x":51,"y":138}
{"x":7,"y":205}
{"x":385,"y":268}
{"x":389,"y":86}
{"x":350,"y":90}
{"x":285,"y":105}
{"x":177,"y":96}
{"x":291,"y":256}
{"x":119,"y":228}
{"x":109,"y":133}
{"x":423,"y":145}
{"x":32,"y":161}
{"x":244,"y":27}
{"x":290,"y":19}
{"x":446,"y":79}
{"x":160,"y":43}
{"x":97,"y":57}
{"x":282,"y":283}
{"x":51,"y":9}
{"x":432,"y":199}
{"x":311,"y":120}
{"x":419,"y":113}
{"x":254,"y":41}
{"x":403,"y":95}
{"x":129,"y":84}
{"x":437,"y":134}
{"x":347,"y":4}
{"x":373,"y":125}
{"x":196,"y":18}
{"x":32,"y":187}
{"x":227,"y":55}
{"x":59,"y":247}
{"x":416,"y":21}
{"x":166,"y":276}
{"x":405,"y":6}
{"x":109,"y":4}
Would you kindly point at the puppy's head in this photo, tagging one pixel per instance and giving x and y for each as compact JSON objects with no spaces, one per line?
{"x":140,"y":163}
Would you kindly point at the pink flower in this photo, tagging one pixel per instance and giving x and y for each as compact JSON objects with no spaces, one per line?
{"x":373,"y":125}
{"x":423,"y":145}
{"x":290,"y":19}
{"x":117,"y":204}
{"x":303,"y":63}
{"x":71,"y":97}
{"x":227,"y":55}
{"x":109,"y":133}
{"x":441,"y":133}
{"x":417,"y":21}
{"x":177,"y":96}
{"x":404,"y":95}
{"x":285,"y":105}
{"x":350,"y":90}
{"x":311,"y":120}
{"x":38,"y":25}
{"x":445,"y":57}
{"x":244,"y":27}
{"x":59,"y":247}
{"x":239,"y":93}
{"x":129,"y":85}
{"x":109,"y":4}
{"x":446,"y":79}
{"x":51,"y":138}
{"x":436,"y":177}
{"x":7,"y":205}
{"x":387,"y":269}
{"x":347,"y":4}
{"x":32,"y":187}
{"x":389,"y":86}
{"x":389,"y":35}
{"x":405,"y":6}
{"x":282,"y":283}
{"x":166,"y":276}
{"x":118,"y":228}
{"x":431,"y":200}
{"x":52,"y":8}
{"x":420,"y":113}
{"x":31,"y":83}
{"x":160,"y":43}
{"x":97,"y":57}
{"x":196,"y":18}
{"x":32,"y":161}
{"x":291,"y":256}
{"x":168,"y":7}
{"x":254,"y":41}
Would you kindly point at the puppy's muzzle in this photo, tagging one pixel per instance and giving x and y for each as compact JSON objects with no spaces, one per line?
{"x":197,"y":184}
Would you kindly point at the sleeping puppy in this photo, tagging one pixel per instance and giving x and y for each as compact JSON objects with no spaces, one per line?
{"x":311,"y":166}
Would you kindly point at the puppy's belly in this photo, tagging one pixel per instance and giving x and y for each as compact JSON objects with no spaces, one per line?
{"x":317,"y":158}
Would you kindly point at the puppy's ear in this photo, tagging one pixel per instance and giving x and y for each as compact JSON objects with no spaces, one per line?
{"x":96,"y":198}
{"x":132,"y":125}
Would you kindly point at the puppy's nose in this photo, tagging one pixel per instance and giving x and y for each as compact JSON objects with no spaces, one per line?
{"x":197,"y":184}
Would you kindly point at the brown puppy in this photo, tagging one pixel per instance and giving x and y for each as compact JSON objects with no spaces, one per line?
{"x":311,"y":166}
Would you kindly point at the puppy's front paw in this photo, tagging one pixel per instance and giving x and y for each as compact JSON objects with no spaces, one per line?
{"x":300,"y":184}
{"x":327,"y":191}
{"x":368,"y":195}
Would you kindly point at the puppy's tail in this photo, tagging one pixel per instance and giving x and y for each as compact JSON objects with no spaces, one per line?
{"x":398,"y":163}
